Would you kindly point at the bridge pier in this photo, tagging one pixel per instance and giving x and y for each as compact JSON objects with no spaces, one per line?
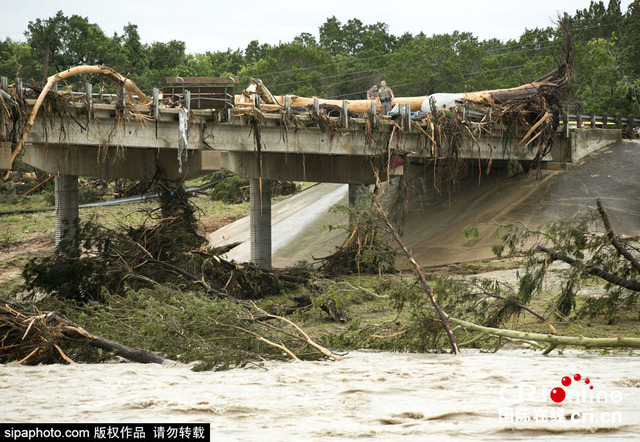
{"x":260,"y":222}
{"x":66,"y":214}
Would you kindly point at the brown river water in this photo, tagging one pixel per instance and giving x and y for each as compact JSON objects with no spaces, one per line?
{"x":382,"y":396}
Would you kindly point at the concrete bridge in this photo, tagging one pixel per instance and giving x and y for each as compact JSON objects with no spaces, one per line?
{"x":109,"y":141}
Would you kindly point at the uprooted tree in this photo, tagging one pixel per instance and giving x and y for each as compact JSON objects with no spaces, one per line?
{"x":590,"y":247}
{"x":482,"y":306}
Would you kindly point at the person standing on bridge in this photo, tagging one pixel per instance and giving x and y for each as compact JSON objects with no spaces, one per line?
{"x":372,"y":94}
{"x":386,"y":97}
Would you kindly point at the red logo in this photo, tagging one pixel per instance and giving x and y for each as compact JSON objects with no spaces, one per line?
{"x":558,"y":394}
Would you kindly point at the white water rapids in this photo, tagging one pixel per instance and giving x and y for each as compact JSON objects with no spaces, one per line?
{"x":382,"y":396}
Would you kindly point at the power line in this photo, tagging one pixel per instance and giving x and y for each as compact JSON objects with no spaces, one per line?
{"x":323,"y":65}
{"x":398,"y":86}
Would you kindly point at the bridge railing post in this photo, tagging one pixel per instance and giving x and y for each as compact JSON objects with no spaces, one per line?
{"x":345,"y":113}
{"x":408,"y":112}
{"x":605,"y":121}
{"x":155,"y":109}
{"x":579,"y":120}
{"x":565,"y":116}
{"x":593,"y":121}
{"x":88,"y":91}
{"x":122,"y":99}
{"x":618,"y":120}
{"x":372,"y":113}
{"x":630,"y":121}
{"x":316,"y":105}
{"x":187,"y":99}
{"x":287,"y":105}
{"x":19,"y":88}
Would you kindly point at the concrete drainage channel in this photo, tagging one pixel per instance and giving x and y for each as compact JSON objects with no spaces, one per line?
{"x":291,"y":221}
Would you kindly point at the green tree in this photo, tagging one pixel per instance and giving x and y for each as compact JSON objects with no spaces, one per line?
{"x":167,"y":60}
{"x":16,"y":60}
{"x":63,"y":42}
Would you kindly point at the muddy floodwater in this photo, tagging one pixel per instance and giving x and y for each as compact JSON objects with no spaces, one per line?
{"x":382,"y":396}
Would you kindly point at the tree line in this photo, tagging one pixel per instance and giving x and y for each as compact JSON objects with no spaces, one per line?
{"x":349,"y":57}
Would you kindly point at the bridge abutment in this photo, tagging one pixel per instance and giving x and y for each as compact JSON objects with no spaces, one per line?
{"x":260,"y":222}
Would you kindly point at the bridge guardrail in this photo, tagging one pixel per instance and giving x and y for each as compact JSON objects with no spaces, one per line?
{"x":604,"y":121}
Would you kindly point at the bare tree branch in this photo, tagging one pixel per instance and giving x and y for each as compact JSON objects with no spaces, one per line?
{"x":593,"y":270}
{"x":425,"y":285}
{"x":613,"y":239}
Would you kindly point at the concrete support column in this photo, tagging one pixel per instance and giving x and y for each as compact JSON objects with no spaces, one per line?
{"x":66,"y":225}
{"x":260,"y":222}
{"x":355,"y":194}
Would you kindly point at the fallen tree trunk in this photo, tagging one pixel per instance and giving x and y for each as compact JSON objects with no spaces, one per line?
{"x":356,"y":106}
{"x":553,"y":340}
{"x":132,"y":354}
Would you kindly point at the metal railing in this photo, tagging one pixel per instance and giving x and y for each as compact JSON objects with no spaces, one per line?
{"x":603,"y":121}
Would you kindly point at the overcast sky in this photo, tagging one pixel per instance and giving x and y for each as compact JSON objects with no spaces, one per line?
{"x":218,"y":25}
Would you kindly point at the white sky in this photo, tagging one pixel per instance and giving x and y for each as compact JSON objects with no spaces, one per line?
{"x":217,"y":25}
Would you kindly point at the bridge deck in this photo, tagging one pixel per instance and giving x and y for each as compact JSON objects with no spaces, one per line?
{"x":134,"y":144}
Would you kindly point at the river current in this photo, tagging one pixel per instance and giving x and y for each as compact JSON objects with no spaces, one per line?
{"x":381,"y":396}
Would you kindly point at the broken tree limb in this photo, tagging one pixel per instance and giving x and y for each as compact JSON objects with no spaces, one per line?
{"x":262,"y":90}
{"x":131,"y":354}
{"x":554,"y":340}
{"x":129,"y":85}
{"x":630,"y":284}
{"x":307,"y":339}
{"x":72,"y":330}
{"x":443,"y":317}
{"x":265,"y":340}
{"x":45,"y":333}
{"x":613,"y":239}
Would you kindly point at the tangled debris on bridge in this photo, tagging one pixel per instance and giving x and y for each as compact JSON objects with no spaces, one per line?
{"x":527,"y":114}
